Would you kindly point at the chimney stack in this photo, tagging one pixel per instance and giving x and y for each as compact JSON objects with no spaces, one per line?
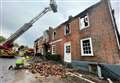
{"x":70,"y":17}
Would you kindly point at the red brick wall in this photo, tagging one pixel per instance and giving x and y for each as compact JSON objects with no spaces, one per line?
{"x":103,"y":36}
{"x":101,"y":31}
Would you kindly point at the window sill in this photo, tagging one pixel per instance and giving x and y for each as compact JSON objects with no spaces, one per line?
{"x":68,"y":34}
{"x":84,"y":28}
{"x":53,"y":53}
{"x":86,"y":55}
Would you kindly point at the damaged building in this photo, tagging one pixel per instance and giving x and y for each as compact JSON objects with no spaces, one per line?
{"x":91,"y":36}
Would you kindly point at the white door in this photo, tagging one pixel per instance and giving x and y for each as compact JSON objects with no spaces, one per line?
{"x":67,"y":52}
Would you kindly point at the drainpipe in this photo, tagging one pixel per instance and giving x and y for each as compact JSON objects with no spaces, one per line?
{"x":108,"y":6}
{"x":113,"y":21}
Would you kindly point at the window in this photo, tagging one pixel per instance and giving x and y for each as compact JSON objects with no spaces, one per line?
{"x":67,"y":49}
{"x":86,"y":47}
{"x":53,"y":49}
{"x":54,"y":34}
{"x":67,"y":30}
{"x":84,"y":22}
{"x":41,"y":51}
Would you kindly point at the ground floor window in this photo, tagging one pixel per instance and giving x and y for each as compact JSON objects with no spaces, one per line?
{"x":53,"y":49}
{"x":41,"y":51}
{"x":86,"y":47}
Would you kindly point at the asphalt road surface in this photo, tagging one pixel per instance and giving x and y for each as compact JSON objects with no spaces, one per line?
{"x":13,"y":76}
{"x":24,"y":76}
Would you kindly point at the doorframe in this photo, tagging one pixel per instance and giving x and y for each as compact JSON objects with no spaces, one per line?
{"x":66,"y":44}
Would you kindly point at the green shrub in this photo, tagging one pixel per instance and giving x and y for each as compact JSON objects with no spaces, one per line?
{"x":54,"y":57}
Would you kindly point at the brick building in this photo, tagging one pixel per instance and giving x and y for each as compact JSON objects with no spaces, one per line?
{"x":38,"y":45}
{"x":91,"y":36}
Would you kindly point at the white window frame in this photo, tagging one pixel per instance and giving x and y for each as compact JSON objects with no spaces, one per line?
{"x":41,"y":51}
{"x":82,"y":51}
{"x":84,"y":26}
{"x":53,"y":46}
{"x":65,"y":30}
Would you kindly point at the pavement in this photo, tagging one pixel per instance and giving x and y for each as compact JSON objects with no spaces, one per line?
{"x":14,"y":76}
{"x":25,"y":76}
{"x":5,"y":75}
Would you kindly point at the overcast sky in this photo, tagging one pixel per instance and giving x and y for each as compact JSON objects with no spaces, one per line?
{"x":14,"y":13}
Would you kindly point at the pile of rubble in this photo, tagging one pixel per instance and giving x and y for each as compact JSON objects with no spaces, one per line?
{"x":47,"y":69}
{"x":51,"y":70}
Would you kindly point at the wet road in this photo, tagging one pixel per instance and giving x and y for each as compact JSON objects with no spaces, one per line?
{"x":24,"y":76}
{"x":14,"y":76}
{"x":5,"y":75}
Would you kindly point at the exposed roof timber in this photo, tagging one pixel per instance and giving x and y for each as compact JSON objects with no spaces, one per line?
{"x":81,"y":14}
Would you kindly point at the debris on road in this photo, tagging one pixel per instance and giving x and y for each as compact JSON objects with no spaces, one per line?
{"x":47,"y":69}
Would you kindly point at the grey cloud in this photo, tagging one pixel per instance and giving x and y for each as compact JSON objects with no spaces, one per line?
{"x":17,"y":12}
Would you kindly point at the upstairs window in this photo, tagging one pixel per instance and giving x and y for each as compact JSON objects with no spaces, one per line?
{"x":54,"y":34}
{"x":84,"y":22}
{"x":67,"y":30}
{"x":86,"y":47}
